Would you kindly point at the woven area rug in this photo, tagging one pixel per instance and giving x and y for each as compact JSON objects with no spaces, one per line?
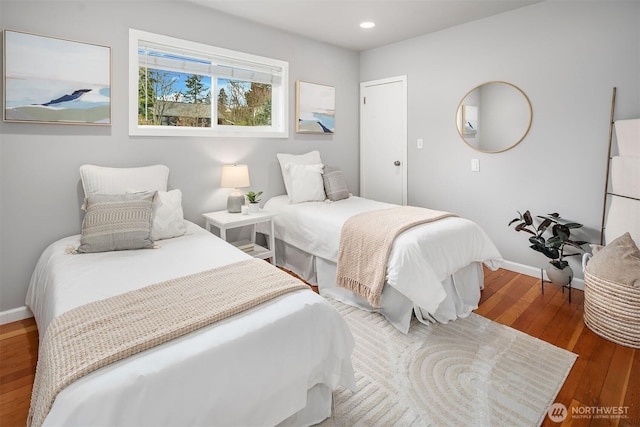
{"x":470,"y":372}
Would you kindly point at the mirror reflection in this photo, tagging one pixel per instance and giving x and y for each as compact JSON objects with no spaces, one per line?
{"x":494,"y":117}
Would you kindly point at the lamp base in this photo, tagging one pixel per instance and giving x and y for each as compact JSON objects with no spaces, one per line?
{"x":235,"y":202}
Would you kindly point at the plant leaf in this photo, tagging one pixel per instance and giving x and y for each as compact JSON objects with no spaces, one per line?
{"x":523,"y":227}
{"x":555,"y":242}
{"x":549,"y":253}
{"x":561,"y":231}
{"x":527,"y":218}
{"x":559,"y":264}
{"x":573,"y":225}
{"x":543,"y":225}
{"x":513,"y":220}
{"x":537,"y":240}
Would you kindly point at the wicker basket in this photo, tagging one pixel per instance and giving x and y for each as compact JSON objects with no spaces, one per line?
{"x":612,"y":310}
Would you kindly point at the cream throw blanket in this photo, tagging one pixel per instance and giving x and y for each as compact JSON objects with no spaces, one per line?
{"x":365,"y":244}
{"x":102,"y":332}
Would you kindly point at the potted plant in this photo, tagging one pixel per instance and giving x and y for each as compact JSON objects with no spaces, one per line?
{"x":254,"y":199}
{"x":553,"y":247}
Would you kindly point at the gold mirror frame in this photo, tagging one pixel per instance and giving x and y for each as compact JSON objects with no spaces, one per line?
{"x":501,"y":99}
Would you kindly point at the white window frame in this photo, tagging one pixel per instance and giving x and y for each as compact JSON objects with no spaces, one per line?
{"x":279,"y":92}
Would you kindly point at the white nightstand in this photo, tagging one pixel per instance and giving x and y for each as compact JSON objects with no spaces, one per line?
{"x":224,"y":221}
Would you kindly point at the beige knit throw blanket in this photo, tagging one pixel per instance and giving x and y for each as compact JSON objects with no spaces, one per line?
{"x":365,"y":244}
{"x":99,"y":333}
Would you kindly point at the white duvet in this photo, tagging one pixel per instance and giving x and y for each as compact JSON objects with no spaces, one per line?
{"x":421,"y":259}
{"x":255,"y":368}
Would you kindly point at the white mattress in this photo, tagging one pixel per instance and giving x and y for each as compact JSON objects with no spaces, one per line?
{"x":422,"y":259}
{"x":255,"y":368}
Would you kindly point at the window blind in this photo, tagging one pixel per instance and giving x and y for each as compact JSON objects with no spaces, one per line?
{"x":155,"y":55}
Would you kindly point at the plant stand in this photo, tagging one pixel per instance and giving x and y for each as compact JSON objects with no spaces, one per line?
{"x":542,"y":282}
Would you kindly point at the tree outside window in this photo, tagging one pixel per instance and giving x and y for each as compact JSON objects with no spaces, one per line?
{"x":168,"y":98}
{"x":242,"y":103}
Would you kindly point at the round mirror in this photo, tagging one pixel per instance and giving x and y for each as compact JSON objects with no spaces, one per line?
{"x":494,"y":117}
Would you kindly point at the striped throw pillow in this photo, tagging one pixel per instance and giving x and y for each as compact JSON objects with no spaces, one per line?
{"x":117,"y":222}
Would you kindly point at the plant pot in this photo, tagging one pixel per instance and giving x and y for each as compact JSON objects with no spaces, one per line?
{"x":559,"y":277}
{"x":254,"y":208}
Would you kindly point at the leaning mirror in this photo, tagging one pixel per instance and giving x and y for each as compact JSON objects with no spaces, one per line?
{"x":494,"y":117}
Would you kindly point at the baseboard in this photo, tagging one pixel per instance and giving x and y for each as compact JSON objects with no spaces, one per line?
{"x":535,"y":272}
{"x":15,"y":314}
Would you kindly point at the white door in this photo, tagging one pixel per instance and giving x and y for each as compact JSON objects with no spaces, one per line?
{"x":383,"y":140}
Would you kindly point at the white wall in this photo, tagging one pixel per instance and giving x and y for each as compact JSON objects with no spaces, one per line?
{"x":39,"y":178}
{"x":566,"y":56}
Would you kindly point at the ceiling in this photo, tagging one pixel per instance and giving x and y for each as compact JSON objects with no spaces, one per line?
{"x":337,"y":21}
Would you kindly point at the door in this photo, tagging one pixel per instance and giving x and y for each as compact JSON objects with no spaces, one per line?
{"x":383,"y":140}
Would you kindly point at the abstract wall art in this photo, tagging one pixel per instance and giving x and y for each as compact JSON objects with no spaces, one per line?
{"x":315,"y":108}
{"x":53,"y":80}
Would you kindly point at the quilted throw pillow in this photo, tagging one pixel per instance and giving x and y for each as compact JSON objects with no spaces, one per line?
{"x":335,"y":186}
{"x":117,"y":222}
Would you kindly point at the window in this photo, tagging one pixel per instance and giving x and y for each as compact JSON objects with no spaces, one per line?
{"x":183,"y":88}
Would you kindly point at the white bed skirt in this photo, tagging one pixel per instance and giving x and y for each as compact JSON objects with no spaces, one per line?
{"x":462,"y":289}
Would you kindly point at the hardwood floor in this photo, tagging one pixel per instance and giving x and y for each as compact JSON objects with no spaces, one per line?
{"x":605,"y":377}
{"x":18,"y":355}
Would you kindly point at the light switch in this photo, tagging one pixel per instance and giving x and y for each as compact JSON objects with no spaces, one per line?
{"x":420,"y":144}
{"x":475,"y":165}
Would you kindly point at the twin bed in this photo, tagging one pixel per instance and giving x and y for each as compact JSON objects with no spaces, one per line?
{"x":434,"y":270}
{"x":276,"y":363}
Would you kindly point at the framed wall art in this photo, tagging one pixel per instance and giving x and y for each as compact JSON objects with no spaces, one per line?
{"x":53,"y":80}
{"x":315,"y":108}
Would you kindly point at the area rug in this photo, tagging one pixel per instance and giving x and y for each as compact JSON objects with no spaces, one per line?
{"x":470,"y":372}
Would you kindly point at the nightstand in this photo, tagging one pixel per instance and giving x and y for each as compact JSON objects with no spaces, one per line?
{"x":224,"y":221}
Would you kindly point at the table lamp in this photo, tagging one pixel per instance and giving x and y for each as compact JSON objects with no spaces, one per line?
{"x":235,"y":176}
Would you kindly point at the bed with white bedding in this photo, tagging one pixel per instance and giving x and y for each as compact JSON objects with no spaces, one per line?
{"x":434,"y":269}
{"x":276,"y":363}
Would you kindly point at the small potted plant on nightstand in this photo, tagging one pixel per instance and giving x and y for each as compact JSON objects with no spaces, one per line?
{"x":553,"y":247}
{"x":254,"y":199}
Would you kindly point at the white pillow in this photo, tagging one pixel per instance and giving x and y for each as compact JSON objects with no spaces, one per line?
{"x":311,"y":158}
{"x":105,"y":180}
{"x":168,"y":217}
{"x":306,"y":183}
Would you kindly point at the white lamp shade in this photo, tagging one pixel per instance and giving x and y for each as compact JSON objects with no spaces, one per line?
{"x":235,"y":176}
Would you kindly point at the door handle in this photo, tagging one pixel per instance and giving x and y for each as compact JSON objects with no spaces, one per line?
{"x":397,"y":163}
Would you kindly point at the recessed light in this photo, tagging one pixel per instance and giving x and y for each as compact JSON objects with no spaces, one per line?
{"x":367,"y":24}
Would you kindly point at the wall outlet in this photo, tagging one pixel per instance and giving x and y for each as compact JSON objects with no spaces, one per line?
{"x":475,"y":165}
{"x":420,"y":143}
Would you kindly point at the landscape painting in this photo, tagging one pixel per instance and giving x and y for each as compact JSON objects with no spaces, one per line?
{"x":315,"y":108}
{"x":52,"y":80}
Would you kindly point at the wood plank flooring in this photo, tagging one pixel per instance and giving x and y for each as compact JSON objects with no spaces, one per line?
{"x":605,"y":375}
